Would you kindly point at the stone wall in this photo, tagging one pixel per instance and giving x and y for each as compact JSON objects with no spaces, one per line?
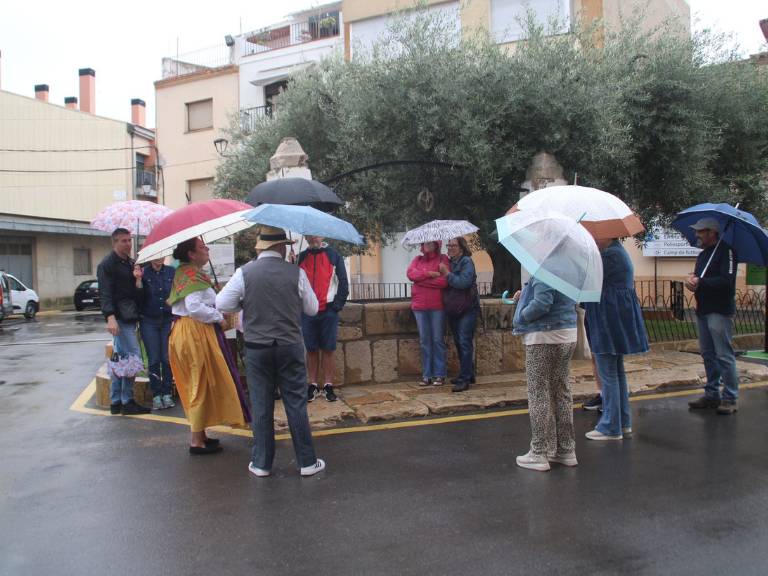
{"x":380,"y":342}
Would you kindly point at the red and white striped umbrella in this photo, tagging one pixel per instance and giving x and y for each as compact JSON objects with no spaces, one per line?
{"x":210,"y":220}
{"x":138,"y":216}
{"x":602,"y":214}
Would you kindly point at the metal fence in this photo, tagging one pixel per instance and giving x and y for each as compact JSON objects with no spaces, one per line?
{"x":669,"y":310}
{"x":315,"y":28}
{"x":251,"y":117}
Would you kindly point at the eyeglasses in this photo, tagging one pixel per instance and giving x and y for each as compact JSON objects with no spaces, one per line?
{"x":452,"y":245}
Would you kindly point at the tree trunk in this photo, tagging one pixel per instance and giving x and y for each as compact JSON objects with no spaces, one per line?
{"x":506,"y":270}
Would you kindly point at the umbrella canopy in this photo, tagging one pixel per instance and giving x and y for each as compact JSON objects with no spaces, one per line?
{"x":739,"y":229}
{"x":555,"y":249}
{"x":211,"y":220}
{"x":603,"y":214}
{"x":294,"y":191}
{"x":304,"y":220}
{"x":438,"y":230}
{"x":138,"y":216}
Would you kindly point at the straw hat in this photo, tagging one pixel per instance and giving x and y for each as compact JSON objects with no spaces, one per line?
{"x":270,"y":236}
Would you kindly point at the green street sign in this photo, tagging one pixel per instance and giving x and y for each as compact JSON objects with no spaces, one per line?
{"x":755,"y":275}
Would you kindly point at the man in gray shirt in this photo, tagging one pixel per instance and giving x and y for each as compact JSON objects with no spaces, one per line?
{"x":272,"y":294}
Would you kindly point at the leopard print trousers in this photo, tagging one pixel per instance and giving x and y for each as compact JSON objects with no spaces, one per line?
{"x":550,"y":405}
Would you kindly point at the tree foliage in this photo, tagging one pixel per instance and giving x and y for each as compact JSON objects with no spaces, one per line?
{"x":660,"y":119}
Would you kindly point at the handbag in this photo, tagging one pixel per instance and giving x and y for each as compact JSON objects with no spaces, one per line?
{"x":457,"y":301}
{"x":127,"y":310}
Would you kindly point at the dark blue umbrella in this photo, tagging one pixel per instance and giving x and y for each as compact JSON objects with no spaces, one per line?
{"x":739,"y":229}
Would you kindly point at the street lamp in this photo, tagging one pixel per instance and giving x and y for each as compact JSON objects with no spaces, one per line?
{"x":221,"y":146}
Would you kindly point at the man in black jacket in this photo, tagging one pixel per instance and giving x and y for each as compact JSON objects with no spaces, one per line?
{"x":120,"y":298}
{"x":714,"y":284}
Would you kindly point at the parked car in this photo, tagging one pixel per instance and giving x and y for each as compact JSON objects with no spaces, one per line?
{"x":87,"y":295}
{"x":24,"y":299}
{"x":6,"y":302}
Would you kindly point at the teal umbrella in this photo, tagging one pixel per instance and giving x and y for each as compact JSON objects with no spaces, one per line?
{"x":555,"y":249}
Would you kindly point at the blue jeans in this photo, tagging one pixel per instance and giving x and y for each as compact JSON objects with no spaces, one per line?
{"x":463,"y":329}
{"x":613,"y":382}
{"x":281,"y":366}
{"x":719,"y":359}
{"x":431,"y":325}
{"x":125,"y":344}
{"x":154,"y":334}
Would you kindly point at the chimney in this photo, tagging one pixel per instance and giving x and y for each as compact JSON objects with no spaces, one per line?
{"x":71,"y":102}
{"x":88,"y":90}
{"x":138,"y":112}
{"x":41,"y":92}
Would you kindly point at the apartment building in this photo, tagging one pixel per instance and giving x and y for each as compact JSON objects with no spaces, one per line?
{"x":60,"y":163}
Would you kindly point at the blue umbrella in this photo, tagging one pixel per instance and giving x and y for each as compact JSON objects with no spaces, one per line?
{"x":304,"y":220}
{"x":739,"y":229}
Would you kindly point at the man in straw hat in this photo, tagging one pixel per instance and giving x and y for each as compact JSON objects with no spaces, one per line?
{"x":272,"y":294}
{"x":713,"y":283}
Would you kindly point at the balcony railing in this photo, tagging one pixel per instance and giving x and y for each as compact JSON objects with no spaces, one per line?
{"x":250,"y":117}
{"x":316,"y":28}
{"x":367,"y":292}
{"x":146,"y":183}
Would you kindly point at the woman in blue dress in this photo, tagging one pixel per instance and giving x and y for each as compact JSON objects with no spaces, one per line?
{"x":615,"y":328}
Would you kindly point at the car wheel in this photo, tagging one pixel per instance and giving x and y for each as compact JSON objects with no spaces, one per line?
{"x":30,"y":311}
{"x":79,"y":307}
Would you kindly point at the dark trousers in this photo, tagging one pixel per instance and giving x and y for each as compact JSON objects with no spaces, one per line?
{"x":154,"y":334}
{"x":463,"y":330}
{"x":282,"y":366}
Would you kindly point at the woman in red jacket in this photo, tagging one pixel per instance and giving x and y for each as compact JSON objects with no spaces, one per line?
{"x":427,"y":306}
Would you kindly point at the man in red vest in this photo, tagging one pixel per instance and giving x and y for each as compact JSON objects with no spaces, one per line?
{"x":328,"y":276}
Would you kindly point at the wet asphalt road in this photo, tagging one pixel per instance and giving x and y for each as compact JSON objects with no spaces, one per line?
{"x":81,"y":494}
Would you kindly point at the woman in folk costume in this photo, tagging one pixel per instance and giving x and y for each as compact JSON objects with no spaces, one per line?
{"x":204,"y":378}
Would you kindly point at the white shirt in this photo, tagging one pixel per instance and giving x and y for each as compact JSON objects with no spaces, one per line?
{"x":200,"y":306}
{"x":563,"y":336}
{"x":230,"y":299}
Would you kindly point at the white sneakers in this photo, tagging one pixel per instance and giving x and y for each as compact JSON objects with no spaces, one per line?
{"x":595,"y":435}
{"x":566,"y":459}
{"x":313,"y":469}
{"x":533,"y":462}
{"x":260,"y":472}
{"x":168,"y":401}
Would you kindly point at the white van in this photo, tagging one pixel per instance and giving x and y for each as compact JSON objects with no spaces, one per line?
{"x":24,"y":300}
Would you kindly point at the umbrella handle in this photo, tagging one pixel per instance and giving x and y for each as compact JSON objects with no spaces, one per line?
{"x":506,"y":300}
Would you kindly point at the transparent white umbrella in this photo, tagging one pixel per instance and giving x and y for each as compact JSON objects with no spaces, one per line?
{"x":555,"y":249}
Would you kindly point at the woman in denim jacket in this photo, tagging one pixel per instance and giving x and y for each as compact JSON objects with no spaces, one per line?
{"x":546,"y":319}
{"x":462,"y":275}
{"x":615,"y":327}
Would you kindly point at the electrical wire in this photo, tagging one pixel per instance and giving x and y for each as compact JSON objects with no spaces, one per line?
{"x":91,"y":170}
{"x":71,"y":149}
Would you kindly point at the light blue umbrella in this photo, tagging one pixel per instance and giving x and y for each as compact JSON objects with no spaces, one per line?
{"x":555,"y":249}
{"x":304,"y":220}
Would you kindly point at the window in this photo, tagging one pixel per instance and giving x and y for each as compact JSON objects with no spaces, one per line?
{"x":508,"y":17}
{"x":15,"y":284}
{"x":198,"y":190}
{"x":200,"y":115}
{"x":82,"y":259}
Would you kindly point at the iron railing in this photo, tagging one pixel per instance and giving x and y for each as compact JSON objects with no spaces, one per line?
{"x":145,"y":178}
{"x":668,"y":309}
{"x":371,"y":291}
{"x":250,"y":117}
{"x":314,"y":28}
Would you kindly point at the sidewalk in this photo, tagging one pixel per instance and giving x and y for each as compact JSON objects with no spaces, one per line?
{"x":360,"y":404}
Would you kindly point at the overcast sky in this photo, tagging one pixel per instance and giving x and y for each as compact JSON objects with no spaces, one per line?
{"x":47,"y":41}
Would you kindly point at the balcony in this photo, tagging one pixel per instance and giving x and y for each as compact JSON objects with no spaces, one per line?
{"x":251,"y":117}
{"x":146,"y":183}
{"x":314,"y":28}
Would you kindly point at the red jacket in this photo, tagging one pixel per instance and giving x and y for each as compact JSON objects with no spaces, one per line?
{"x":326,"y":273}
{"x":427,"y":292}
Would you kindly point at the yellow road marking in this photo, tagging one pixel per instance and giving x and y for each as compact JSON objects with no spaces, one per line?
{"x":80,"y":405}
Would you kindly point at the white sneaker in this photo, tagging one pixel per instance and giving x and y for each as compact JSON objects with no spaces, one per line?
{"x":157,"y":403}
{"x":533,"y":462}
{"x":627,"y":431}
{"x":313,"y":468}
{"x":168,"y":401}
{"x":260,"y":472}
{"x":566,"y":459}
{"x":595,"y":435}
